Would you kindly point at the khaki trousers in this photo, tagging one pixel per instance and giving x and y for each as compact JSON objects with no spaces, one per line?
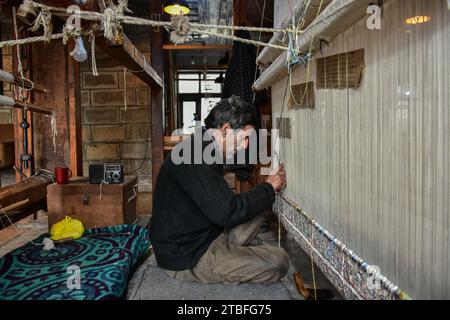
{"x":230,"y":260}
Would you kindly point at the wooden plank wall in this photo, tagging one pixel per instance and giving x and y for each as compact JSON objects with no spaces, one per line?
{"x":55,"y":70}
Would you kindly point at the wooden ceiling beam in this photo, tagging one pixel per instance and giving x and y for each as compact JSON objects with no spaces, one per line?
{"x":90,"y":5}
{"x":131,"y":58}
{"x":125,"y":53}
{"x":213,"y":67}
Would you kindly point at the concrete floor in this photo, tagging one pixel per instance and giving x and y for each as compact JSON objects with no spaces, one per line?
{"x":25,"y":230}
{"x":151,"y":283}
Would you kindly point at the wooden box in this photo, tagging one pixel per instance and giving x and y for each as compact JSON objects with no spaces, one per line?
{"x":95,"y":205}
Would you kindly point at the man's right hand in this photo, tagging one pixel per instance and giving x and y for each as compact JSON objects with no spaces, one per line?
{"x":278,"y":178}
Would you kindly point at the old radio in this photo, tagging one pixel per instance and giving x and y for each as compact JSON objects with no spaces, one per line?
{"x":109,"y":173}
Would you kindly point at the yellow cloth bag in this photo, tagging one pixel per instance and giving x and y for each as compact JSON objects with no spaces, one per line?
{"x":67,"y":229}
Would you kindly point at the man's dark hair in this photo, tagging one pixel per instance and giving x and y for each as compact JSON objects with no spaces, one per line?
{"x":235,"y":111}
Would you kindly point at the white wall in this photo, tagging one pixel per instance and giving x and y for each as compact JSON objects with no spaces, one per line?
{"x":372,"y":165}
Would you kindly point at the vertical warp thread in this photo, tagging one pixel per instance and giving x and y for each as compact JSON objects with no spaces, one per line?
{"x":312,"y":261}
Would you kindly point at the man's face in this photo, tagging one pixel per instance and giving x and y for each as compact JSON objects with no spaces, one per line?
{"x":236,"y":140}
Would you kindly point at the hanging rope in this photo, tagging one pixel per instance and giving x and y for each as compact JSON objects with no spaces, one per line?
{"x":29,"y":40}
{"x":44,"y":19}
{"x":182,"y":29}
{"x":112,"y":18}
{"x":19,"y":60}
{"x":247,"y":41}
{"x":122,"y":7}
{"x":27,"y":8}
{"x":110,"y":24}
{"x":70,"y":31}
{"x":54,"y":130}
{"x":97,"y":16}
{"x":93,"y":57}
{"x":22,"y":90}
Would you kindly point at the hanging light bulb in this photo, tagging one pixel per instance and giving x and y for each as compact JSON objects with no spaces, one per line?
{"x":176,"y":7}
{"x":79,"y":53}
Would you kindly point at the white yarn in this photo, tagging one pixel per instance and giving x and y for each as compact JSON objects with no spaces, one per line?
{"x":48,"y":244}
{"x":93,"y":60}
{"x":54,"y":130}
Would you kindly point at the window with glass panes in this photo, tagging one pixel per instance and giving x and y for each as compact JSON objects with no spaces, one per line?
{"x":198,"y":94}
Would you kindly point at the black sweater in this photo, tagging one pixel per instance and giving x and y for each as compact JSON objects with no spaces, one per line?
{"x":192,"y":205}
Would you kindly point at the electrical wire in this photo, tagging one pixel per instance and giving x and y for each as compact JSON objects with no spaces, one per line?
{"x":149,"y":120}
{"x":146,"y":149}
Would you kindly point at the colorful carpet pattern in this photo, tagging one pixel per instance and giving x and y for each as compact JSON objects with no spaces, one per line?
{"x":104,"y":259}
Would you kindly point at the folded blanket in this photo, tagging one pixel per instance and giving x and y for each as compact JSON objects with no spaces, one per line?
{"x":105,"y":258}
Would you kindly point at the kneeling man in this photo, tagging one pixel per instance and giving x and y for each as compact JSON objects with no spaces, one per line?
{"x":200,"y":230}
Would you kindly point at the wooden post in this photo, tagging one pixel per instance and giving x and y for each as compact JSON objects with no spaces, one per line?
{"x":156,"y":40}
{"x":74,"y":106}
{"x":25,"y":55}
{"x":58,"y":73}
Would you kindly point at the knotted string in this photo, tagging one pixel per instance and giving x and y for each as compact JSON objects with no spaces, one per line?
{"x":112,"y":29}
{"x":44,"y":19}
{"x":181,"y":29}
{"x":70,"y":31}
